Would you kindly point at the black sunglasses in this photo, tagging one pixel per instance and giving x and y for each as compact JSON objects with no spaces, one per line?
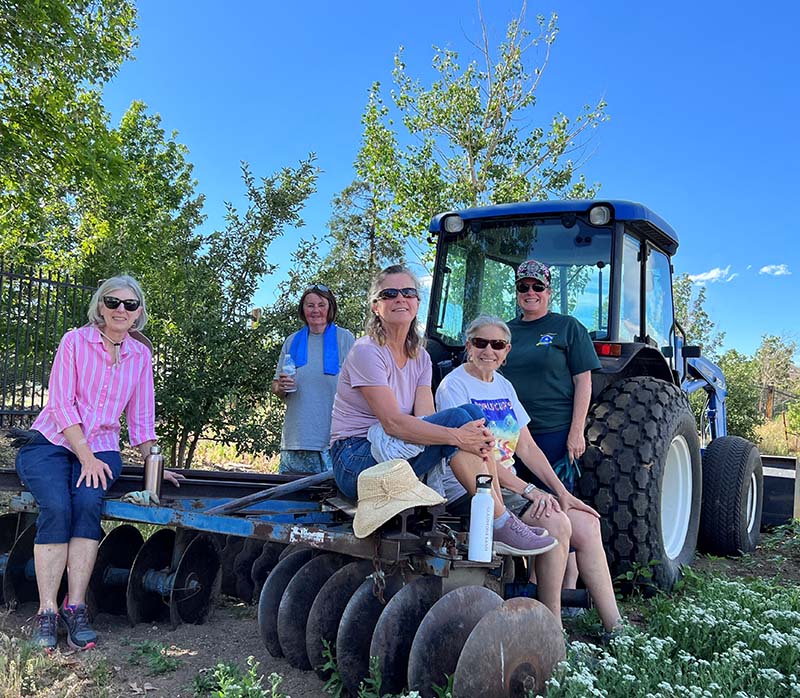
{"x":481,"y":343}
{"x":112,"y":303}
{"x":390,"y":293}
{"x":537,"y":286}
{"x":318,"y":287}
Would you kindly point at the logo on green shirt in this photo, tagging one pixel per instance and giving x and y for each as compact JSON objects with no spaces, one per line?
{"x":546,"y":339}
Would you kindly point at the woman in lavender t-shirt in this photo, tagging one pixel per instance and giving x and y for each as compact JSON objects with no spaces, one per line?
{"x":386,"y":379}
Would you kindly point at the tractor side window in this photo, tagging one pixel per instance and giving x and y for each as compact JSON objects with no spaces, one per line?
{"x":629,"y":317}
{"x":659,"y":298}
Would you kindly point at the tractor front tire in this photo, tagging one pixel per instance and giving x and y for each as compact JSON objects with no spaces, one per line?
{"x":733,"y":491}
{"x":642,"y":472}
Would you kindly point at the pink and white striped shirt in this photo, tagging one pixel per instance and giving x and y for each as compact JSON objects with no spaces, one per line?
{"x":87,"y":388}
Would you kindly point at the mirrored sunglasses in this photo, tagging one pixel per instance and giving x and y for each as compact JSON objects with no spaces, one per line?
{"x":537,"y":286}
{"x":481,"y":343}
{"x":112,"y":303}
{"x":390,"y":293}
{"x":317,"y":287}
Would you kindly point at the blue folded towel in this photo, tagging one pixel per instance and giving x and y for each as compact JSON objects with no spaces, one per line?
{"x":330,"y":350}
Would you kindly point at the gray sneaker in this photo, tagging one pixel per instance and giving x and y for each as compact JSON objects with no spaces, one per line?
{"x":80,"y":635}
{"x":517,"y":538}
{"x":45,"y":632}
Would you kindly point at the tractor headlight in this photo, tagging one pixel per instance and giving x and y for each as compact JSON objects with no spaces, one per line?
{"x":453,"y":224}
{"x":599,"y":215}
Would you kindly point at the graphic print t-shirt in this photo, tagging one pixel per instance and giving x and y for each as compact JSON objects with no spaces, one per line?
{"x":505,"y":416}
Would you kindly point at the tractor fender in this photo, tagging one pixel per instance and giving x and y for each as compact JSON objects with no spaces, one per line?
{"x":637,"y":359}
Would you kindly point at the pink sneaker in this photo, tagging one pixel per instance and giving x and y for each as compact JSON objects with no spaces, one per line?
{"x":516,"y":538}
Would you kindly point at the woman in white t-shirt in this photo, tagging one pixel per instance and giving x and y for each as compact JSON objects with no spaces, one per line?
{"x":571,"y":521}
{"x":386,"y":380}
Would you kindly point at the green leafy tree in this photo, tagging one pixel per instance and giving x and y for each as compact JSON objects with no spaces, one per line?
{"x":793,"y":418}
{"x":775,"y":361}
{"x":690,"y":312}
{"x":471,"y":136}
{"x":218,"y":362}
{"x":55,"y":145}
{"x":744,"y":390}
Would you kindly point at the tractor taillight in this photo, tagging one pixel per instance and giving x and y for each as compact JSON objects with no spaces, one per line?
{"x":607,"y":349}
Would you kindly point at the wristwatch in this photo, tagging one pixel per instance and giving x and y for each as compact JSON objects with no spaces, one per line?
{"x":530,"y":487}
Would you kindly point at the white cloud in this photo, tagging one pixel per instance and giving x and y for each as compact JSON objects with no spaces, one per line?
{"x":775,"y":270}
{"x":749,"y":267}
{"x":713,"y":275}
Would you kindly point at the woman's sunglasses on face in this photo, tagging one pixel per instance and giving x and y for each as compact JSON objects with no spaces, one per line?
{"x":112,"y":303}
{"x":481,"y":343}
{"x":537,"y":286}
{"x":318,"y":287}
{"x":390,"y":293}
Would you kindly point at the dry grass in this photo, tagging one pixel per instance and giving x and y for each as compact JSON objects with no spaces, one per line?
{"x":773,"y":439}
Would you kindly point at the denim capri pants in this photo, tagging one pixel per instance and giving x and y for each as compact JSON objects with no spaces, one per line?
{"x":352,"y":455}
{"x":49,"y":473}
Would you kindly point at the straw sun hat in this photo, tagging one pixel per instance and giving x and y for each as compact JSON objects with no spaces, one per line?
{"x":386,"y":489}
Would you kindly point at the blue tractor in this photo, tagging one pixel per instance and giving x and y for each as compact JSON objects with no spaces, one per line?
{"x":662,"y":485}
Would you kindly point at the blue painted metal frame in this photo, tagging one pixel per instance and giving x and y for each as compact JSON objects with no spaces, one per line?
{"x":712,"y":380}
{"x":623,"y":211}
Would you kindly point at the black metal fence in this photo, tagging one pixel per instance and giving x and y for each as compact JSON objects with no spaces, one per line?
{"x":36,"y":309}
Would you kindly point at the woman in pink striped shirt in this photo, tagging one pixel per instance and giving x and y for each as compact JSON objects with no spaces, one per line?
{"x":72,"y":455}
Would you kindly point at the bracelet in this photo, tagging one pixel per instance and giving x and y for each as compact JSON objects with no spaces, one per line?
{"x":530,"y":487}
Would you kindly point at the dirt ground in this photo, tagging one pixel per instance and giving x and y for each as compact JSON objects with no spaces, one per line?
{"x":230,"y":635}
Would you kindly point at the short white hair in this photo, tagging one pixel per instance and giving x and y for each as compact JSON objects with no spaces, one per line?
{"x":484,"y":321}
{"x":114,"y":284}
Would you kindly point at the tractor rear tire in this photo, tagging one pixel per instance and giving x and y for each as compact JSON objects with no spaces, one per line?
{"x":642,"y":472}
{"x":733,"y":491}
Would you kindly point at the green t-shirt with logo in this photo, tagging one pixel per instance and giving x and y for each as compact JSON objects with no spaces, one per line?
{"x":545,"y":355}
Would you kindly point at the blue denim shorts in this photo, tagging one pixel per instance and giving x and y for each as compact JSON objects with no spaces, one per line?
{"x":352,"y":455}
{"x":49,"y":473}
{"x":298,"y":462}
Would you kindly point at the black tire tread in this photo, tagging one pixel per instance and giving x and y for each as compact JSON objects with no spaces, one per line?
{"x":626,"y":429}
{"x":725,"y":465}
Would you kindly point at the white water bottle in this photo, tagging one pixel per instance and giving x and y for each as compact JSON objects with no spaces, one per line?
{"x":481,"y":520}
{"x":290,"y":370}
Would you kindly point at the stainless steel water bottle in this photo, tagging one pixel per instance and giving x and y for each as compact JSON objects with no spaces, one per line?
{"x":154,"y":470}
{"x":481,"y":520}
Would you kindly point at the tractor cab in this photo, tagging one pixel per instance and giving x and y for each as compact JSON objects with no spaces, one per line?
{"x":610,"y":265}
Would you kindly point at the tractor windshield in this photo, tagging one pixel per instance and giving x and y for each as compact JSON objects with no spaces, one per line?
{"x":476,"y":272}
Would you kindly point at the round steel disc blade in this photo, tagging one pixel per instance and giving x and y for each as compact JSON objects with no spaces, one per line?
{"x":9,"y":525}
{"x":396,"y":627}
{"x":197,"y":582}
{"x":242,"y":565}
{"x":296,"y":604}
{"x":327,"y":609}
{"x":156,"y":554}
{"x":263,"y":565}
{"x":117,"y":550}
{"x":270,"y":599}
{"x":233,"y":546}
{"x":19,"y":580}
{"x":293,"y":547}
{"x":355,"y":631}
{"x":511,"y":652}
{"x":442,"y":633}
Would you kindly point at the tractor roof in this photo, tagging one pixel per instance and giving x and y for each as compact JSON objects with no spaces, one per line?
{"x":638,"y":216}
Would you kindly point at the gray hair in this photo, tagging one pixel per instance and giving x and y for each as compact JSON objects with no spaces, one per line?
{"x":484,"y":321}
{"x":374,"y":326}
{"x":113,"y":284}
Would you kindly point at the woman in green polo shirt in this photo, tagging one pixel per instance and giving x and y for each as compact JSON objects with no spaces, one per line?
{"x":550,"y":368}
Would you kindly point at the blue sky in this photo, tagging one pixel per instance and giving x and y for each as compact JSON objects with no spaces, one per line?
{"x":703,"y":99}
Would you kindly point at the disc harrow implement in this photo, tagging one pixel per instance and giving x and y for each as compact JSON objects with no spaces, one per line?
{"x":404,"y":600}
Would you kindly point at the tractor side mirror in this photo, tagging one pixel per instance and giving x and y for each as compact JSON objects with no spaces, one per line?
{"x":691,"y":352}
